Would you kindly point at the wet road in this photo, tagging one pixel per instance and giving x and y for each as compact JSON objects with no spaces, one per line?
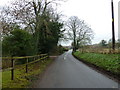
{"x":68,"y":72}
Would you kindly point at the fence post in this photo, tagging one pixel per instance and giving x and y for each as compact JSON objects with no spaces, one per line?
{"x":42,"y":56}
{"x":27,"y":65}
{"x":34,"y":58}
{"x":38,"y":57}
{"x":12,"y":70}
{"x":47,"y":55}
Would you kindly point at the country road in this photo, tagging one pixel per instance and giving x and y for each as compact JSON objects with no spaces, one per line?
{"x":68,"y":72}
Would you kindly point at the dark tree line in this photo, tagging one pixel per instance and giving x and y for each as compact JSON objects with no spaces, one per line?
{"x":35,"y":21}
{"x":108,"y":44}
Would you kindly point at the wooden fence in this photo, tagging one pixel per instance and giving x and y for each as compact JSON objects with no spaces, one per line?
{"x":35,"y":58}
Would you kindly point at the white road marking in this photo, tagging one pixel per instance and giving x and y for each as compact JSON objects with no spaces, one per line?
{"x":64,"y":57}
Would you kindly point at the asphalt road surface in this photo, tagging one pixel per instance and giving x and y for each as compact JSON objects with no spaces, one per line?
{"x":68,"y":72}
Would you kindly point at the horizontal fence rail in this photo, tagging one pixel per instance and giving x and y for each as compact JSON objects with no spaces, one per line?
{"x":35,"y":59}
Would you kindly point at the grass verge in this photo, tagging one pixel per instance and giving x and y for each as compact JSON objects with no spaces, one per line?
{"x":107,"y":62}
{"x":22,"y":79}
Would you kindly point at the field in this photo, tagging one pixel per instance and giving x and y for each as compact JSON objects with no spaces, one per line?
{"x":109,"y":62}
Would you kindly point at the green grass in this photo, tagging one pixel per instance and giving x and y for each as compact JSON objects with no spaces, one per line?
{"x":109,"y":62}
{"x":0,"y":80}
{"x":22,"y":79}
{"x":19,"y":82}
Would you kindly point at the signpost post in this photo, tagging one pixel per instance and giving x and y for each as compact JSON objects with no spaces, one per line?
{"x":113,"y":32}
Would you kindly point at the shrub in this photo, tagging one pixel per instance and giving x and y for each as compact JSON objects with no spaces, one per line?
{"x":17,"y":43}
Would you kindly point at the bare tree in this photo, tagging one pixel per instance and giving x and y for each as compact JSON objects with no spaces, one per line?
{"x":79,"y":32}
{"x":27,"y":13}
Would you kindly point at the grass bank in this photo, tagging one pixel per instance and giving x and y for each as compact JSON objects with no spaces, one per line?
{"x":107,"y":62}
{"x":22,"y":79}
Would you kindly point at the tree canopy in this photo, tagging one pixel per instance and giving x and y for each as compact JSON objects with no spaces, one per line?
{"x":79,"y":32}
{"x":18,"y":43}
{"x":37,"y":17}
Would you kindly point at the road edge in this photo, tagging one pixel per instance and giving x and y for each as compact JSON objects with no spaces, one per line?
{"x":40,"y":75}
{"x":99,"y":69}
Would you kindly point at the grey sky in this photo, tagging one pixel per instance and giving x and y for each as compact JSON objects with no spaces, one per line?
{"x":119,"y":20}
{"x":97,"y":13}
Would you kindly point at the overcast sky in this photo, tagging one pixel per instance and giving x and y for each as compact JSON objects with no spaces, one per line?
{"x":97,"y":13}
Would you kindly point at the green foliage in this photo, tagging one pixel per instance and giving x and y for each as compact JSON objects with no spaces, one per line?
{"x":49,"y":36}
{"x":62,"y":49}
{"x":40,"y":19}
{"x":18,"y":43}
{"x":108,"y":62}
{"x":103,"y":43}
{"x":56,"y":33}
{"x":118,"y":43}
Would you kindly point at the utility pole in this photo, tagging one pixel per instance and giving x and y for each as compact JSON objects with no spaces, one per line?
{"x":113,"y":31}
